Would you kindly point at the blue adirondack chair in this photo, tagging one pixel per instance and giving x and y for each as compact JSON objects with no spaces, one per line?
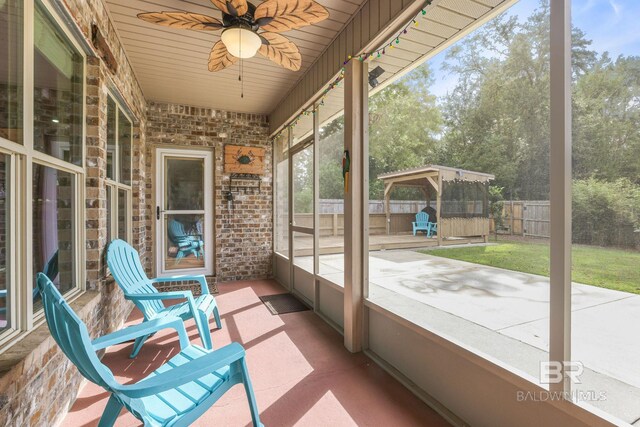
{"x":434,"y":229}
{"x":176,"y":394}
{"x":124,"y":263}
{"x":186,"y":243}
{"x":422,"y":224}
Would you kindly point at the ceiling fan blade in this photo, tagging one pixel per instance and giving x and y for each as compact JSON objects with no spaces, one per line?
{"x":284,"y":15}
{"x":232,"y":7}
{"x":282,"y":51}
{"x":220,"y":58}
{"x":183,"y":20}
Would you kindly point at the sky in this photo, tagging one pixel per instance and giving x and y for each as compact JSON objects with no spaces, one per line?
{"x":611,"y":25}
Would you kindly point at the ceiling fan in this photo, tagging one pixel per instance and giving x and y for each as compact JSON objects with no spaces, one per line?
{"x":247,"y":29}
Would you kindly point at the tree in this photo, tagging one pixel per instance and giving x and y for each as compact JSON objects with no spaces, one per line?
{"x":331,"y":149}
{"x":404,"y":124}
{"x":496,"y":207}
{"x":497,"y":117}
{"x":606,"y":105}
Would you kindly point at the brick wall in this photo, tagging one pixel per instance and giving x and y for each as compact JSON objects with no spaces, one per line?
{"x":37,"y":383}
{"x":243,"y":234}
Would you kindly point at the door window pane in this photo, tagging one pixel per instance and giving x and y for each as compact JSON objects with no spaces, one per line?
{"x":5,"y":297}
{"x":123,"y":218}
{"x":303,"y":251}
{"x":53,"y":226}
{"x":302,"y":164}
{"x":58,"y":92}
{"x":111,"y":137}
{"x":184,"y":242}
{"x":281,"y":148}
{"x":331,"y":149}
{"x":184,"y":184}
{"x":125,"y":131}
{"x":11,"y":84}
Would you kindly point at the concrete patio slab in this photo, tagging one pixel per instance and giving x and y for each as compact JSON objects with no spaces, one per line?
{"x":506,"y":314}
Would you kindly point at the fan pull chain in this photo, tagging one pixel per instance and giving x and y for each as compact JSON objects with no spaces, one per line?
{"x":241,"y":78}
{"x":241,"y":75}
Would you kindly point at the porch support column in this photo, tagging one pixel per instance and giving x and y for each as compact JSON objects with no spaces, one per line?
{"x":316,"y":195}
{"x":387,"y":208}
{"x":438,"y":208}
{"x":560,"y":192}
{"x":356,"y":229}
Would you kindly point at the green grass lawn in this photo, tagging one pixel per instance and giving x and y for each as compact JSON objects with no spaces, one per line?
{"x":607,"y":268}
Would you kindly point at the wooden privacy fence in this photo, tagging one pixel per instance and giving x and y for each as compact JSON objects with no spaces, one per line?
{"x":333,"y":224}
{"x":331,"y":206}
{"x":399,"y":223}
{"x":524,"y":218}
{"x":336,"y":206}
{"x":403,"y":213}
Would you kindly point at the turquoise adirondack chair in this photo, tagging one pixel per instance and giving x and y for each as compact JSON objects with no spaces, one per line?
{"x":124,"y":263}
{"x":434,"y":229}
{"x":176,"y":394}
{"x":422,"y":224}
{"x":186,"y":243}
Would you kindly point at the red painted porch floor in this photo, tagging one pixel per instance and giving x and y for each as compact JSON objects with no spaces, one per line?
{"x":302,"y":374}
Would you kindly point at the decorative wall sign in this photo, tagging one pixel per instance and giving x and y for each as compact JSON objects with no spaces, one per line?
{"x":243,"y":159}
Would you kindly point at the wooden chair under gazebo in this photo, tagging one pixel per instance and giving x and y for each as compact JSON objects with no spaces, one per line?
{"x":461,"y":198}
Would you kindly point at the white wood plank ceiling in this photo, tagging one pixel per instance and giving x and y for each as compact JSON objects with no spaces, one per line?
{"x":171,"y":64}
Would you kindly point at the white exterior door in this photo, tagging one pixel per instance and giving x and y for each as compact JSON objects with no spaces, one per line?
{"x":184,"y":212}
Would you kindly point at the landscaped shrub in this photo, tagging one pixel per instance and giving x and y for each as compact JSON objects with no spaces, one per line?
{"x":606,"y":213}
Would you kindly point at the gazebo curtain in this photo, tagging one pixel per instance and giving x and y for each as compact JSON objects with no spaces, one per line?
{"x":464,"y":199}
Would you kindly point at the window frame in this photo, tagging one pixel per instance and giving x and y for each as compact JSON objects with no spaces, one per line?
{"x":22,"y":159}
{"x":278,"y":203}
{"x":115,"y":184}
{"x":12,"y":271}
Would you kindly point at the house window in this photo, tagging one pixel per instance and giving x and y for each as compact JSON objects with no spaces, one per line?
{"x":54,"y":226}
{"x":119,"y":146}
{"x":111,"y":136}
{"x":41,"y":156}
{"x":11,"y":80}
{"x":58,"y":92}
{"x":5,"y":294}
{"x":123,"y":221}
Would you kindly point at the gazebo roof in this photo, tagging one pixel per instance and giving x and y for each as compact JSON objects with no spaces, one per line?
{"x":406,"y":176}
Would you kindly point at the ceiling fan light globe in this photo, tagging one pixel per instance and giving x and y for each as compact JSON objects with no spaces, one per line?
{"x":241,"y":42}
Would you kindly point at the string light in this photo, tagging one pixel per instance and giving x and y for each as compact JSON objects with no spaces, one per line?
{"x":362,"y":57}
{"x":382,"y":51}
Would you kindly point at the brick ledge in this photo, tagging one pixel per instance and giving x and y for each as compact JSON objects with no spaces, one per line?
{"x":37,"y":347}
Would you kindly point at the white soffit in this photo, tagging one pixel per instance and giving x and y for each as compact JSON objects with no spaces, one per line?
{"x":171,"y":64}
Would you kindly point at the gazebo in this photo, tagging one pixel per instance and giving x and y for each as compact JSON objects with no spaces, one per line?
{"x":461,"y":198}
